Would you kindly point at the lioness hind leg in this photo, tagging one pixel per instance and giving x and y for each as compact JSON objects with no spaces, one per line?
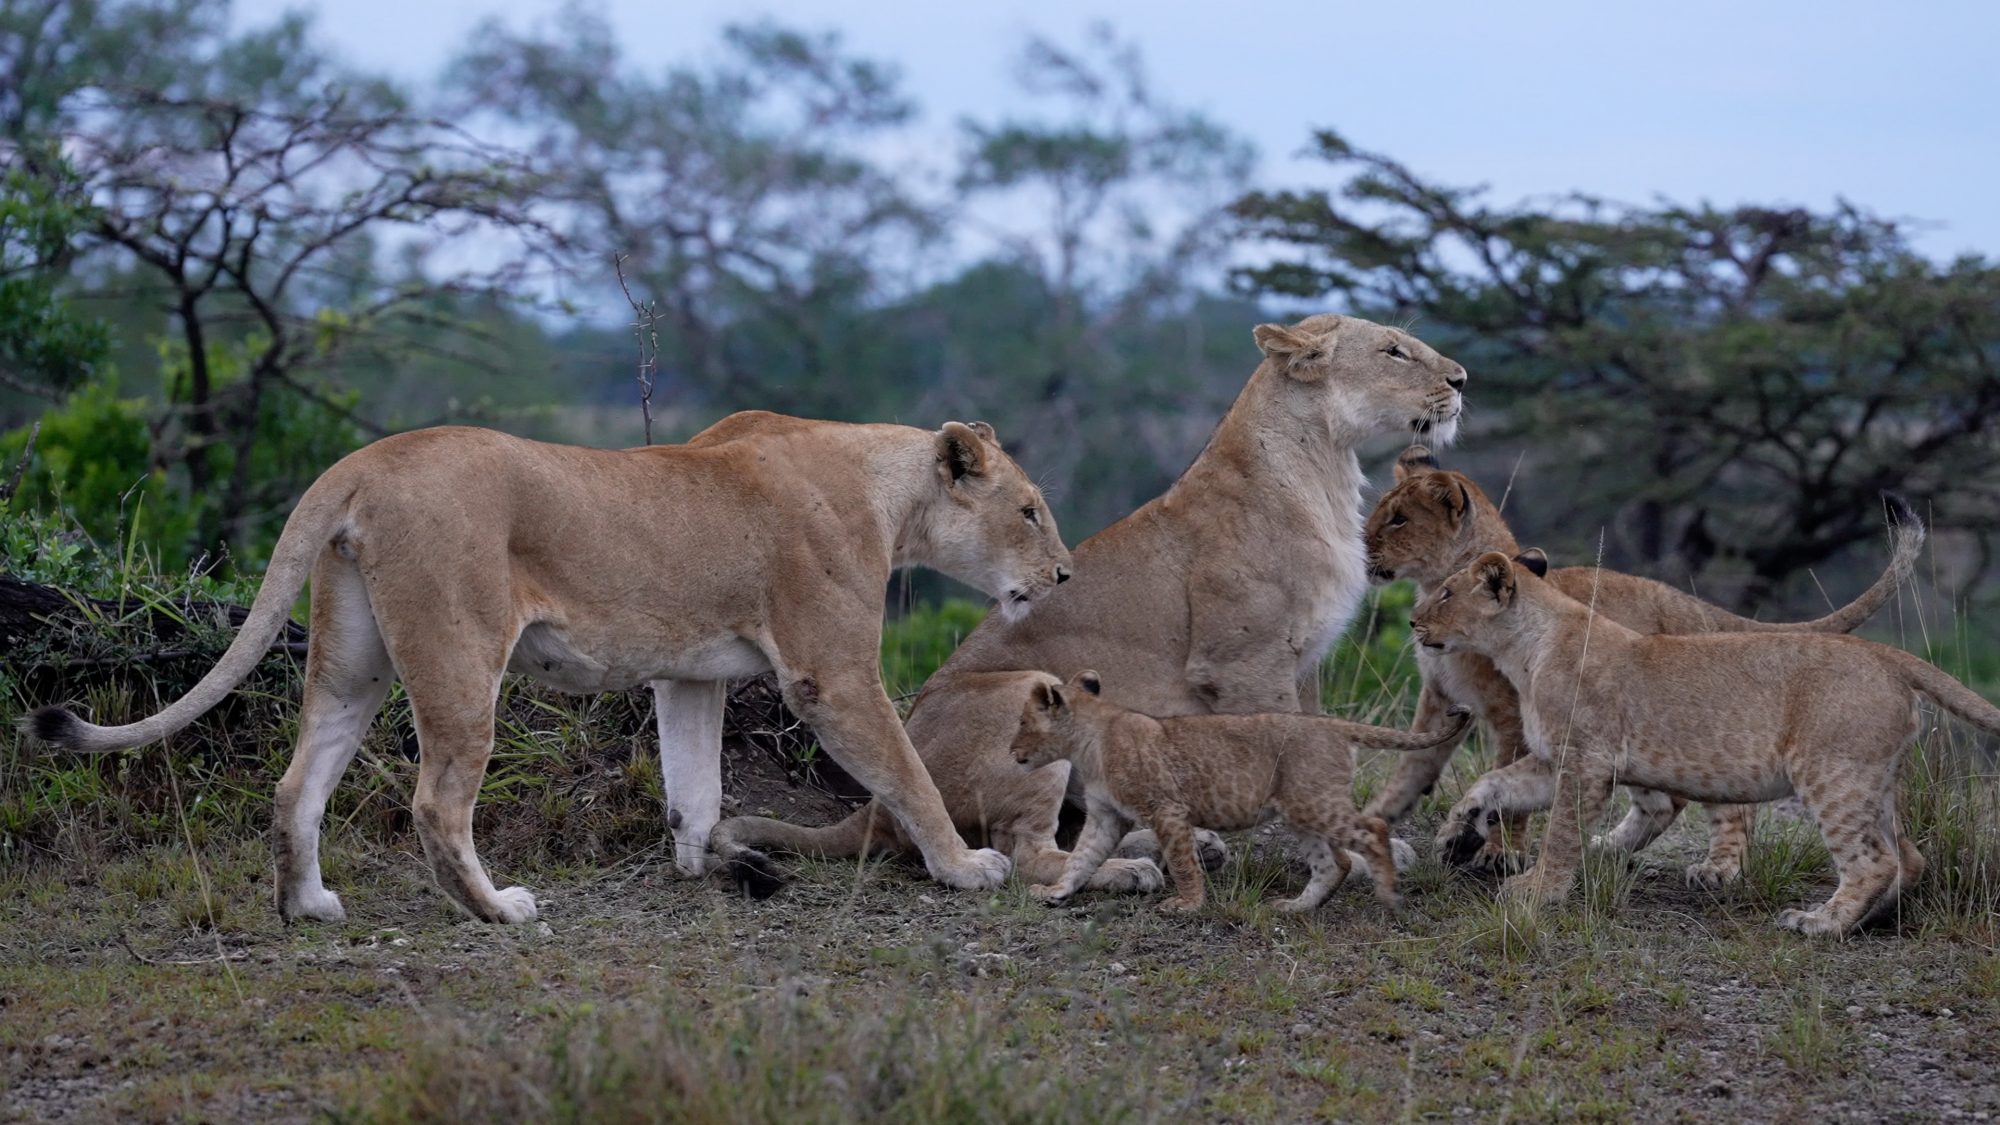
{"x":1031,"y":839}
{"x":453,"y":706}
{"x":348,"y":674}
{"x":1209,"y":846}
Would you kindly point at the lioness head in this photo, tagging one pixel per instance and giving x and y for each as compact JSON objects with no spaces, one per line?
{"x":1474,"y":607}
{"x":1050,"y":722}
{"x":1424,"y":524}
{"x":991,"y":529}
{"x":1367,"y":377}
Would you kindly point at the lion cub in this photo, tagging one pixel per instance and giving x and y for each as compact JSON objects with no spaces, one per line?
{"x":1732,"y":717}
{"x":1434,"y":522}
{"x":1211,"y":771}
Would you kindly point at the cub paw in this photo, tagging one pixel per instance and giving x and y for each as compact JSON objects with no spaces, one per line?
{"x":1713,"y":876}
{"x":1211,"y":849}
{"x":1812,"y":923}
{"x":980,"y":870}
{"x":1051,"y":893}
{"x":513,"y":906}
{"x":1129,"y":876}
{"x":1401,"y":853}
{"x":1180,"y":905}
{"x":1530,"y":889}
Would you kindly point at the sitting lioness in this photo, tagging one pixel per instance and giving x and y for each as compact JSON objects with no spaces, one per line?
{"x":1434,"y":522}
{"x":446,"y":557}
{"x":1210,"y":771}
{"x":1732,"y":717}
{"x":1220,"y":596}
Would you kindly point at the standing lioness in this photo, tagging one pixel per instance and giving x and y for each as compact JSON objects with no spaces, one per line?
{"x":1210,"y":771}
{"x":446,"y":557}
{"x":1734,"y":717}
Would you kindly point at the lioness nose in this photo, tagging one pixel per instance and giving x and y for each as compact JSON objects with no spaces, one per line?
{"x":1456,"y":381}
{"x":1062,"y":575}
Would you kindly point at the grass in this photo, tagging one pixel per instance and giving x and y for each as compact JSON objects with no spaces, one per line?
{"x":143,"y":973}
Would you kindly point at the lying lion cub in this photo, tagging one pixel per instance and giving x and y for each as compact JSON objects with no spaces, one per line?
{"x":1434,"y":522}
{"x":1210,"y":771}
{"x":1734,"y":717}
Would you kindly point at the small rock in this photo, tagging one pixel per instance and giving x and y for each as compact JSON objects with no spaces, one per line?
{"x":1301,"y":1030}
{"x":1945,"y":1012}
{"x":544,"y":929}
{"x":1115,"y":968}
{"x":1854,"y":1009}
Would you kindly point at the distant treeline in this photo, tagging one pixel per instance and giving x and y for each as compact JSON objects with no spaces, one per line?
{"x":226,"y":259}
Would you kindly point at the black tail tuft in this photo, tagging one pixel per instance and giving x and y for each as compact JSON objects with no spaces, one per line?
{"x":755,"y":874}
{"x":1901,"y":514}
{"x":55,"y":726}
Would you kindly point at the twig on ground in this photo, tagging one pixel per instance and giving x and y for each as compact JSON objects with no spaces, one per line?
{"x":221,"y":955}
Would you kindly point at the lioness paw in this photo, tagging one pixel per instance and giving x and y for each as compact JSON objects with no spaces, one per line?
{"x":980,"y":870}
{"x":1401,"y":853}
{"x":313,"y":905}
{"x":1128,"y":876}
{"x":1052,"y":893}
{"x":1211,"y":849}
{"x":513,"y":905}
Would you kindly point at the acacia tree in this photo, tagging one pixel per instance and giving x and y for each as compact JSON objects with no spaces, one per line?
{"x":1727,"y":387}
{"x":250,"y":190}
{"x":738,"y":195}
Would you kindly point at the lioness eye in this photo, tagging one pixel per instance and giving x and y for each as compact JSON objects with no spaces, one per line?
{"x":1031,"y":515}
{"x":1398,"y":520}
{"x":1396,"y":351}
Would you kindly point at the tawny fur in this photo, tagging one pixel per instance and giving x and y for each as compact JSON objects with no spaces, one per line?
{"x":446,"y":557}
{"x":1222,"y":772}
{"x":1434,"y":522}
{"x":1728,"y":717}
{"x":1219,"y":597}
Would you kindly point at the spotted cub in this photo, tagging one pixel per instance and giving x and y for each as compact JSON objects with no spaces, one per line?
{"x":1211,"y":771}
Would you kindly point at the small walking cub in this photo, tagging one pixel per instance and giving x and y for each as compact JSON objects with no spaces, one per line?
{"x":1212,"y":771}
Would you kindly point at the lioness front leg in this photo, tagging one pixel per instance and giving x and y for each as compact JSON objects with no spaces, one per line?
{"x":1102,"y":826}
{"x":859,"y":728}
{"x":688,"y":715}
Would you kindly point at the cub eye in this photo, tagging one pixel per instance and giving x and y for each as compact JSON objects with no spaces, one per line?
{"x":1398,"y":520}
{"x":1032,"y":515}
{"x":1396,"y":352}
{"x":1444,"y":595}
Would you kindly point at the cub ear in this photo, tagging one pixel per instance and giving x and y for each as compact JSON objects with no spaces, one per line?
{"x":1496,"y":573}
{"x":1536,"y":562}
{"x":1414,"y":460}
{"x":961,"y":449}
{"x":1451,"y":491}
{"x":1048,"y":696}
{"x":1088,"y":681}
{"x":985,"y":431}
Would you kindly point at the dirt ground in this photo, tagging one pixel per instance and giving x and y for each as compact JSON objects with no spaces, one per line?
{"x":160,"y":989}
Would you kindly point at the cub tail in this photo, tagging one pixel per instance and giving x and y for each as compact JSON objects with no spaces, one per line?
{"x":1941,"y":688}
{"x":1457,"y":721}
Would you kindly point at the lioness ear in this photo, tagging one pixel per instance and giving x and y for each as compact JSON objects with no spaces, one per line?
{"x":1414,"y":460}
{"x":1496,"y":572}
{"x":960,"y":449}
{"x":1279,"y":342}
{"x":1088,"y":681}
{"x":1535,"y":561}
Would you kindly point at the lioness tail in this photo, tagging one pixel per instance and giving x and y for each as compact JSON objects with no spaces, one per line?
{"x":307,"y":533}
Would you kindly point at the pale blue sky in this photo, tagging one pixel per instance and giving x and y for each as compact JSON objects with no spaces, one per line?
{"x":1893,"y":105}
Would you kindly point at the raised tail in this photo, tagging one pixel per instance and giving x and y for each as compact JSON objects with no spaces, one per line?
{"x":1944,"y":689}
{"x":740,"y":844}
{"x":1907,"y":534}
{"x":1457,"y":719}
{"x":308,"y":531}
